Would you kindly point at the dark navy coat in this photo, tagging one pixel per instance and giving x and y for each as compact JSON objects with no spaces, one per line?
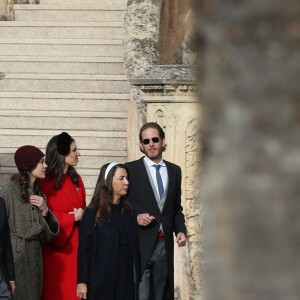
{"x":98,"y":254}
{"x":6,"y":253}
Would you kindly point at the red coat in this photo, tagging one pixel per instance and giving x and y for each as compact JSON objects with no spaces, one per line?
{"x":60,"y":255}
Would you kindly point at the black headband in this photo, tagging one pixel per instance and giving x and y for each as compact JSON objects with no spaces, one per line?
{"x":64,"y":140}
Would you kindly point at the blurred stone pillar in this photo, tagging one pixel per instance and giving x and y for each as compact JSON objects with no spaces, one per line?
{"x":6,"y":10}
{"x":249,"y":54}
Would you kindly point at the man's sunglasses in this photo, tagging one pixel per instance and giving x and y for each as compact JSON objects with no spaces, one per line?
{"x":147,"y":141}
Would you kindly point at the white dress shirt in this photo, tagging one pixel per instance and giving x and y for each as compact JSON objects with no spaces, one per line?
{"x":163,"y":171}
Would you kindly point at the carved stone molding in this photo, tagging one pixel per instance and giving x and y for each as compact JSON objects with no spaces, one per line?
{"x":193,"y":204}
{"x":169,"y":89}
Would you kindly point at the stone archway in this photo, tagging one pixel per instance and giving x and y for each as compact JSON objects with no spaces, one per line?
{"x":163,"y":92}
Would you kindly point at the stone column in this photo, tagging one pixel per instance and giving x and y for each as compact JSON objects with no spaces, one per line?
{"x":251,"y":140}
{"x":175,"y":108}
{"x":6,"y":10}
{"x":179,"y":117}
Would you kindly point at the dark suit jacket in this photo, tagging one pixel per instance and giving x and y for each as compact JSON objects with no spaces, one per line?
{"x":6,"y":255}
{"x":142,"y":197}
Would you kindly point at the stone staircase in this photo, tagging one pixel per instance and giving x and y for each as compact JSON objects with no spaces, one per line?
{"x":63,"y":66}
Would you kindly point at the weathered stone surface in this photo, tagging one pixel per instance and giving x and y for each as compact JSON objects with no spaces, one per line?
{"x":141,"y":30}
{"x":251,"y":168}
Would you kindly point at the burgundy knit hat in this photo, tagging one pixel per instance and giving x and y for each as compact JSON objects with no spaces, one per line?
{"x":27,"y":157}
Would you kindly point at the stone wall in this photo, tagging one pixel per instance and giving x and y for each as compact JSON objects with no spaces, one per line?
{"x":249,"y":73}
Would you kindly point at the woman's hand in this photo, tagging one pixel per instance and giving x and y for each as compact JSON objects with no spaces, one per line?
{"x":82,"y":290}
{"x":78,"y":213}
{"x":40,"y":203}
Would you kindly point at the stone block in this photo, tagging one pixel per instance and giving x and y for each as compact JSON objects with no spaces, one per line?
{"x":62,"y":64}
{"x":37,"y":101}
{"x":71,"y":13}
{"x":64,"y":83}
{"x":61,"y":47}
{"x":63,"y":30}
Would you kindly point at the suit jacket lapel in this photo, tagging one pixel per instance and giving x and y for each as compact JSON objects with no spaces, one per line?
{"x":170,"y":183}
{"x":147,"y":180}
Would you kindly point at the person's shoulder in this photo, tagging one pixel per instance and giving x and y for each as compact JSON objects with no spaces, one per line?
{"x":172,"y":165}
{"x":90,"y":214}
{"x":92,"y":209}
{"x":8,"y":187}
{"x":9,"y":192}
{"x":133,"y":162}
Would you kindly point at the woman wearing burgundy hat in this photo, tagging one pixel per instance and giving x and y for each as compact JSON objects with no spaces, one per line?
{"x":66,"y":198}
{"x":30,"y":221}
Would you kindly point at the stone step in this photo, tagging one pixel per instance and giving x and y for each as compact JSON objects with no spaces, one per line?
{"x":62,"y":30}
{"x":91,"y":140}
{"x":64,"y":101}
{"x":91,"y":2}
{"x":61,"y":47}
{"x":102,"y":12}
{"x":62,"y":64}
{"x":70,"y":121}
{"x":84,"y":152}
{"x":85,"y":162}
{"x":64,"y":83}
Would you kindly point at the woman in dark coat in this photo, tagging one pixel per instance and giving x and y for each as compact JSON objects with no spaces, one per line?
{"x":108,"y":253}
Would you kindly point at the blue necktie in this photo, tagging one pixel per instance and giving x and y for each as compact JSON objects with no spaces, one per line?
{"x":159,"y":181}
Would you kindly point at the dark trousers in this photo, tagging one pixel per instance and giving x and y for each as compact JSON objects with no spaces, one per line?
{"x":155,"y":275}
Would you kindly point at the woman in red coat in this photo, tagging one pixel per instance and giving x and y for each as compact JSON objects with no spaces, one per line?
{"x":65,"y":192}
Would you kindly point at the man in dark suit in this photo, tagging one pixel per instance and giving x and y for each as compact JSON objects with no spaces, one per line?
{"x":7,"y":269}
{"x":155,"y":194}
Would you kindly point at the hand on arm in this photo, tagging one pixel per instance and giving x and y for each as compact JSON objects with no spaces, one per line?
{"x":78,"y":213}
{"x":145,"y":219}
{"x":82,"y":290}
{"x":181,"y":239}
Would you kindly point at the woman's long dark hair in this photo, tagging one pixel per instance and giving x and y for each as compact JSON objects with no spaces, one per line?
{"x":23,"y":179}
{"x":56,"y":163}
{"x":103,"y":195}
